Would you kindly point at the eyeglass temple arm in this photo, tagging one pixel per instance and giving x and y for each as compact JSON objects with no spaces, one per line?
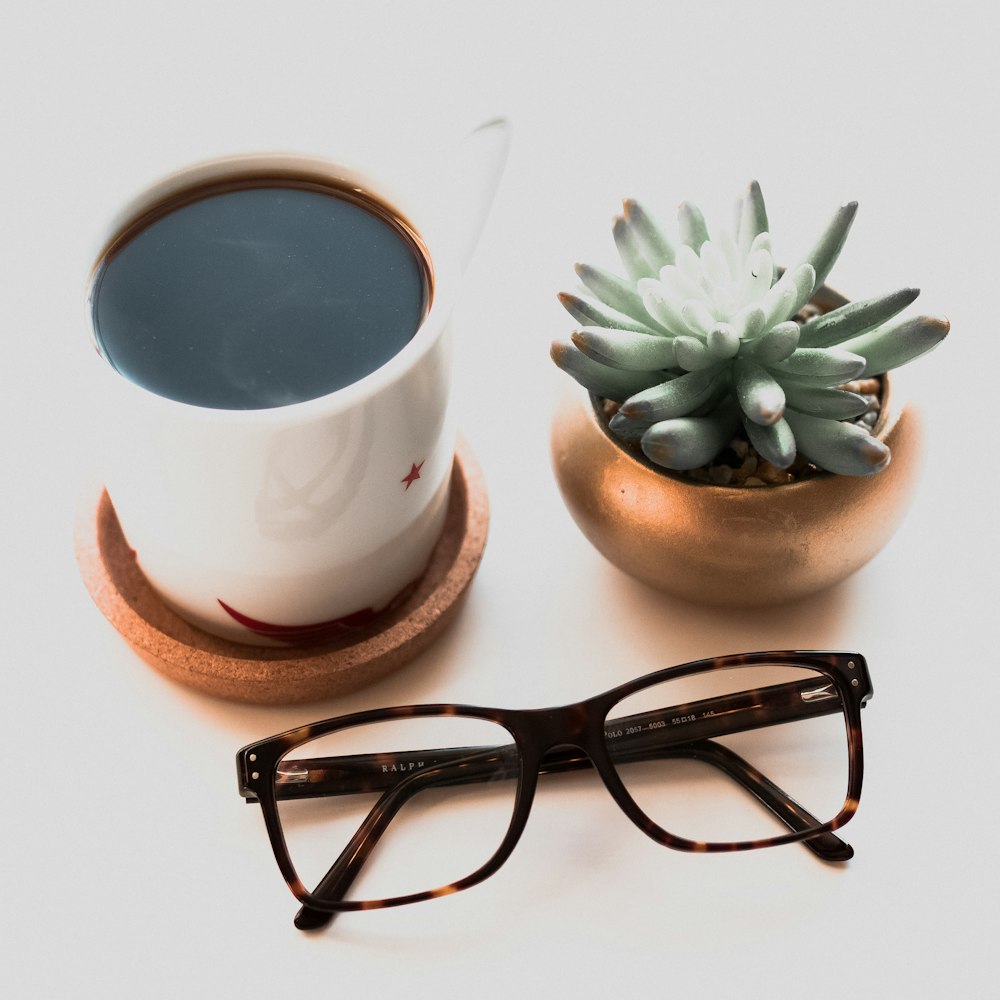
{"x":827,"y":846}
{"x":489,"y":765}
{"x":345,"y":869}
{"x":492,"y":763}
{"x":678,"y":724}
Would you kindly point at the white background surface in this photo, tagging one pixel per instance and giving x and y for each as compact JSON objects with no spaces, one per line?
{"x":130,"y":866}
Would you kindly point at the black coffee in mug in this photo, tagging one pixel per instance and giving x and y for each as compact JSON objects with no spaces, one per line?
{"x":259,"y":292}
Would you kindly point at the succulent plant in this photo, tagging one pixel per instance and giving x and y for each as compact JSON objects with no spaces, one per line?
{"x":699,"y":339}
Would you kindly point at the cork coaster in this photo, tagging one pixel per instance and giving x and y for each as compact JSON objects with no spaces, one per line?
{"x":273,"y":676}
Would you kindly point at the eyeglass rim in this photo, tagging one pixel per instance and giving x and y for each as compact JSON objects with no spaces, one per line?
{"x":257,"y":764}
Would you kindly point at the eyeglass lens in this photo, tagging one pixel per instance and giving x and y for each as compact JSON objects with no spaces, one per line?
{"x":742,"y":754}
{"x":431,"y":798}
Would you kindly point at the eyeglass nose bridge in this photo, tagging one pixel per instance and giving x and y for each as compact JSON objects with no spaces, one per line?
{"x":573,"y":738}
{"x":567,"y":725}
{"x":570,"y":737}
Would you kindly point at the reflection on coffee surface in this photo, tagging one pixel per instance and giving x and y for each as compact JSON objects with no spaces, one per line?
{"x":258,"y":294}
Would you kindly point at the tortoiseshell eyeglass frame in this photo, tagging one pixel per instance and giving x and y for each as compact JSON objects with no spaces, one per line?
{"x":553,"y":740}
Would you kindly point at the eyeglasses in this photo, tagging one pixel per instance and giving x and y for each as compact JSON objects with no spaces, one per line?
{"x":399,"y":805}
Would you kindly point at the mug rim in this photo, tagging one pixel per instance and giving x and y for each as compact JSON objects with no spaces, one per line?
{"x":440,"y":261}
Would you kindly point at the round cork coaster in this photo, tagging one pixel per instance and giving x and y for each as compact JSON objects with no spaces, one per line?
{"x":269,"y":675}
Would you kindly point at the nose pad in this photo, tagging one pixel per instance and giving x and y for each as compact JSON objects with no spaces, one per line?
{"x":571,"y":742}
{"x":562,"y":757}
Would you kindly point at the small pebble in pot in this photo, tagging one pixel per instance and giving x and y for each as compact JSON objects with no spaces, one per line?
{"x":772,"y":474}
{"x":864,"y":386}
{"x":809,"y":311}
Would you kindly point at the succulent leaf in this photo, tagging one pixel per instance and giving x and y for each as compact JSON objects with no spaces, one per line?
{"x":637,"y":265}
{"x":753,"y":216}
{"x":616,"y":292}
{"x":690,"y":442}
{"x":591,"y":313}
{"x":699,"y":320}
{"x":660,"y":309}
{"x":820,"y":366}
{"x":775,"y":442}
{"x":715,"y":265}
{"x":760,"y":397}
{"x":692,"y":226}
{"x":749,"y":322}
{"x":676,"y":286}
{"x":758,"y":276}
{"x":788,"y":294}
{"x":626,"y":349}
{"x":723,"y":341}
{"x":627,"y":429}
{"x":826,"y":251}
{"x":777,"y":344}
{"x":676,"y":398}
{"x":819,"y":401}
{"x":688,"y":262}
{"x":726,"y":242}
{"x":656,"y":245}
{"x":611,"y":383}
{"x":855,"y":318}
{"x":836,"y":446}
{"x":693,"y":355}
{"x":897,"y":343}
{"x":701,"y":337}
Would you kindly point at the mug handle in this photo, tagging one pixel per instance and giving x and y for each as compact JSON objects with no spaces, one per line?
{"x":479,"y":164}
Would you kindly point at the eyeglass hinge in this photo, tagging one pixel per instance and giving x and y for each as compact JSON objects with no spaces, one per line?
{"x":291,"y":775}
{"x":819,"y":694}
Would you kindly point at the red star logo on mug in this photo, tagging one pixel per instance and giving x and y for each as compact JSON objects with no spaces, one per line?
{"x":413,"y":475}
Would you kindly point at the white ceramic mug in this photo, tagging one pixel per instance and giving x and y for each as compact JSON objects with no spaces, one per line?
{"x":294,"y":522}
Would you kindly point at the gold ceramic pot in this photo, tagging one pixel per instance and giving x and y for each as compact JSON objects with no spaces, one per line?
{"x":726,"y":545}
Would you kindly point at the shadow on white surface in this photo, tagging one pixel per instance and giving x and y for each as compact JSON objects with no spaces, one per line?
{"x":658,"y":622}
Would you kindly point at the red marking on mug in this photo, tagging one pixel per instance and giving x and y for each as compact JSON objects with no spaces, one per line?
{"x":413,"y":475}
{"x":302,"y":634}
{"x":319,"y":632}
